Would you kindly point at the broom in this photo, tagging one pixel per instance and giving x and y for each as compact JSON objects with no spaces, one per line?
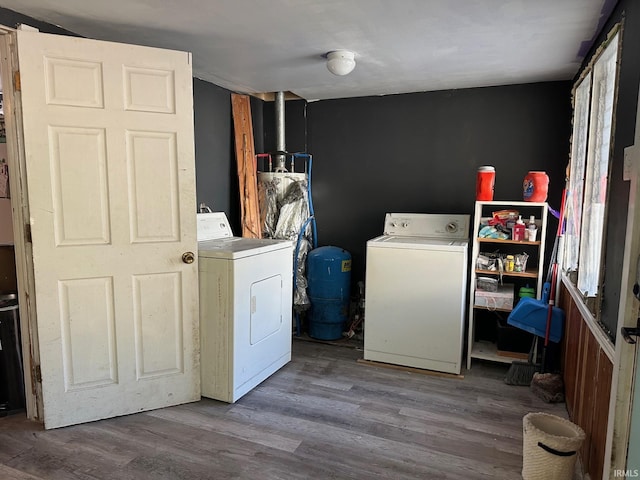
{"x":549,"y":386}
{"x":522,"y":373}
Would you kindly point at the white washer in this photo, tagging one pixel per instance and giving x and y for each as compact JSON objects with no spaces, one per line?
{"x":245,"y":308}
{"x":415,"y":291}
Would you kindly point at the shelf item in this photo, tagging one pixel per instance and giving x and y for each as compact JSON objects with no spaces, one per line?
{"x":527,"y":274}
{"x":488,"y":284}
{"x":509,"y":241}
{"x":502,"y":299}
{"x":512,"y":341}
{"x":482,"y":302}
{"x":485,"y":350}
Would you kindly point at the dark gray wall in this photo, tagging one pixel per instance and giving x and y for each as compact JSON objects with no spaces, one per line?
{"x":216,"y":173}
{"x":214,"y":147}
{"x":295,"y":126}
{"x":420,"y":152}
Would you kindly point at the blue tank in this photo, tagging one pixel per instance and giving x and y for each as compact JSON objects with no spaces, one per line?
{"x":329,"y":287}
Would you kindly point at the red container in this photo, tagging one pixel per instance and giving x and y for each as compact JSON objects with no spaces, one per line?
{"x":535,"y":187}
{"x":485,"y":181}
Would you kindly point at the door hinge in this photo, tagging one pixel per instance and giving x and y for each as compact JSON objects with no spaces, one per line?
{"x":17,"y":86}
{"x":37,"y":373}
{"x":27,"y":233}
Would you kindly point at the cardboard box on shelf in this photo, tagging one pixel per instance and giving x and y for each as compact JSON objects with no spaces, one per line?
{"x":502,"y":299}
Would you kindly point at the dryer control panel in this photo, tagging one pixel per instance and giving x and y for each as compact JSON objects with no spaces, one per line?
{"x":433,"y":225}
{"x":212,"y":226}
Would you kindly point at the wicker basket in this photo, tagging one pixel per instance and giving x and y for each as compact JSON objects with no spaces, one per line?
{"x":550,"y":447}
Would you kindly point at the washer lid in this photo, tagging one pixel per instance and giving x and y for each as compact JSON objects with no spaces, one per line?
{"x":239,"y":247}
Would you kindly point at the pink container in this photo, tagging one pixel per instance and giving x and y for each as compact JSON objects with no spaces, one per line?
{"x":485,"y":181}
{"x":518,"y":232}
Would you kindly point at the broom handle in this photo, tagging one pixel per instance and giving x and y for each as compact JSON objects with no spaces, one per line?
{"x":543,"y":366}
{"x":554,"y":250}
{"x":554,"y":277}
{"x":560,"y":220}
{"x":553,"y":270}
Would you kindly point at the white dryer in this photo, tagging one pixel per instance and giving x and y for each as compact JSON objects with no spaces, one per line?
{"x":415,"y":291}
{"x":245,"y":308}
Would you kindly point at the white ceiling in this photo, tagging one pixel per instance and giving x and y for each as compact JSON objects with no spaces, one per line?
{"x":258,"y":46}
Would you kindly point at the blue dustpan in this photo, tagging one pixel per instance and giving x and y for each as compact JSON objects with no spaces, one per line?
{"x":530,"y":315}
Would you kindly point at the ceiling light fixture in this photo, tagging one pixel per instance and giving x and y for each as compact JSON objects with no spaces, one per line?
{"x":341,"y":62}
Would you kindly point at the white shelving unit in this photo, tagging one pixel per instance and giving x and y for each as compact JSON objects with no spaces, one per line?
{"x":487,"y":349}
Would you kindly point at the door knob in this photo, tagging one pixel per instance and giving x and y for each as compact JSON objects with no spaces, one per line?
{"x":188,"y":257}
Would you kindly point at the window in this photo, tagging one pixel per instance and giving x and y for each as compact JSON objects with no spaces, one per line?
{"x":575,"y":190}
{"x":594,"y":103}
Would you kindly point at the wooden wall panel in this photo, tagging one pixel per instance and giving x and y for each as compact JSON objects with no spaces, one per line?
{"x":600,"y":416}
{"x":587,"y":390}
{"x":571,"y":350}
{"x":581,"y":330}
{"x":587,"y":373}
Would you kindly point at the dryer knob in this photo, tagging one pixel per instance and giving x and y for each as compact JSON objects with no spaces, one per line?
{"x":452,"y":227}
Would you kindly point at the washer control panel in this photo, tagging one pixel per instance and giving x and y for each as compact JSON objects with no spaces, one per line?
{"x":434,"y":225}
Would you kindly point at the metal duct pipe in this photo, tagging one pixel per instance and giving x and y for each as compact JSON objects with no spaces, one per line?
{"x":280,"y":143}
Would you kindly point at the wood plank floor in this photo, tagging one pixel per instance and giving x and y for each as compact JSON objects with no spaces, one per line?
{"x":323,"y":416}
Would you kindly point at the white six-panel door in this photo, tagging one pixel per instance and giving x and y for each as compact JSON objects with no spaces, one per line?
{"x":108,"y":139}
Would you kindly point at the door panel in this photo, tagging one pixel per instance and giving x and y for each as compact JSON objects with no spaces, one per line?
{"x":152,"y":166}
{"x":266,"y":308}
{"x":79,"y":171}
{"x":88,"y":334}
{"x":108,"y":134}
{"x":159,"y":342}
{"x":86,"y":91}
